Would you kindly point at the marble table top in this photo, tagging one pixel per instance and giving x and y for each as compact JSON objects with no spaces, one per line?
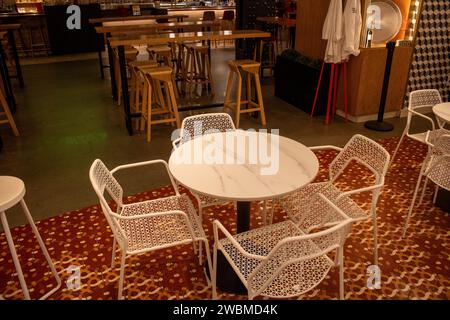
{"x":442,"y":111}
{"x":243,"y":165}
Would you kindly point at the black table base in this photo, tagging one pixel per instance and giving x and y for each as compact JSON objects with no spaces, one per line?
{"x":227,"y":280}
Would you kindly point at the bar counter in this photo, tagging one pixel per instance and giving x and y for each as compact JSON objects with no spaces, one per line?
{"x":57,"y":39}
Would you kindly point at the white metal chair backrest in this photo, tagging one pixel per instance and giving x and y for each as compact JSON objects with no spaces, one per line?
{"x":424,"y":98}
{"x":366,"y":152}
{"x":421,"y":101}
{"x":305,"y":248}
{"x":102,"y":179}
{"x":205,"y":123}
{"x":439,"y":169}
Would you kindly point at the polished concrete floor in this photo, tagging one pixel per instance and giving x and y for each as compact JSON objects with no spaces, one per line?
{"x":67,"y":119}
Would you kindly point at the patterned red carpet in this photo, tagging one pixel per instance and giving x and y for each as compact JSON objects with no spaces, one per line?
{"x":416,"y":267}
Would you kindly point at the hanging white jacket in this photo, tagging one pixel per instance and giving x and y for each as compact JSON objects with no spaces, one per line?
{"x":352,"y":28}
{"x":333,"y":32}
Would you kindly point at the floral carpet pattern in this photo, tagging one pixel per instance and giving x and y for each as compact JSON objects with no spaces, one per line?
{"x":414,"y":267}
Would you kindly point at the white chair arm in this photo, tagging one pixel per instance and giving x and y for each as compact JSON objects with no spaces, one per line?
{"x":317,"y":148}
{"x":360,"y":190}
{"x":149,"y":215}
{"x":145,"y":163}
{"x":176,"y":142}
{"x":218,"y":226}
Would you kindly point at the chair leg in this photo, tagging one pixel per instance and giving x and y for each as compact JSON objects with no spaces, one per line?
{"x":43,"y":248}
{"x":436,"y":189}
{"x":260,"y":99}
{"x":412,"y":203}
{"x":214,"y":273}
{"x":424,"y":188}
{"x":12,"y":249}
{"x":228,"y":89}
{"x":149,"y":112}
{"x":237,"y":109}
{"x":174,"y":104}
{"x":398,"y":147}
{"x":341,"y":272}
{"x":375,"y":236}
{"x":8,"y":114}
{"x":113,"y":254}
{"x":122,"y":274}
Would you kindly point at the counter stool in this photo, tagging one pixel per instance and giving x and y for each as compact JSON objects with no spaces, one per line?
{"x":12,"y":191}
{"x":37,"y":40}
{"x":197,"y":67}
{"x":7,"y":113}
{"x":271,"y":46}
{"x":249,"y":68}
{"x":130,"y":55}
{"x":137,"y":84}
{"x":228,"y":23}
{"x":164,"y":56}
{"x":165,"y":104}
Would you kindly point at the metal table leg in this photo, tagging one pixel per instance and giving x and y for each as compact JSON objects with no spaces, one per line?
{"x":100,"y":46}
{"x":125,"y":96}
{"x":111,"y":73}
{"x":12,"y":43}
{"x":7,"y":81}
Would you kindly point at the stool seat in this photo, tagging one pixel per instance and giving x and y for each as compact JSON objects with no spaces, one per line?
{"x":244,"y":63}
{"x":143,"y":63}
{"x":250,"y":69}
{"x":155,"y":71}
{"x":12,"y":190}
{"x":196,"y":46}
{"x":160,"y":49}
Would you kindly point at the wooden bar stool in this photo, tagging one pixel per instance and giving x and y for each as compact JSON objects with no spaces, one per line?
{"x":156,"y":102}
{"x":12,"y":192}
{"x":7,"y":113}
{"x":269,"y":63}
{"x":130,"y":55}
{"x":198,"y":67}
{"x":164,"y":56}
{"x":249,"y":68}
{"x":137,"y":86}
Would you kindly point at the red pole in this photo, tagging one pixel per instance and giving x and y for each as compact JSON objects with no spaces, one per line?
{"x":345,"y":91}
{"x":317,"y":90}
{"x":330,"y":92}
{"x":336,"y":79}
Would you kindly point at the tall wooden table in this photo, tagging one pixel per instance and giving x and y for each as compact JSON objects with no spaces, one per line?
{"x":121,"y":41}
{"x":10,"y":28}
{"x":282,"y":22}
{"x":144,"y":28}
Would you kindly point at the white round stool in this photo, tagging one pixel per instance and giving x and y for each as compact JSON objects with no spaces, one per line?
{"x":12,"y":191}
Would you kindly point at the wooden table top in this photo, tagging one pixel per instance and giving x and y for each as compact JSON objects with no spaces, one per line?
{"x":131,"y":18}
{"x":153,"y":26}
{"x":278,"y":20}
{"x":185,"y":36}
{"x":9,"y":26}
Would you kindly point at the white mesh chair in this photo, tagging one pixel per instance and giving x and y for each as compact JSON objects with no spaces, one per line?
{"x":149,"y":225}
{"x":288,"y":258}
{"x":194,"y":126}
{"x":365,"y":152}
{"x":436,"y":168}
{"x":421,"y":101}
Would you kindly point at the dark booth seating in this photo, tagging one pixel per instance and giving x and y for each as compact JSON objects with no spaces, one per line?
{"x":296,"y":79}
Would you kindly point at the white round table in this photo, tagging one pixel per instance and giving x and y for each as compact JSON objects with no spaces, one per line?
{"x":442,"y":111}
{"x":243,"y":166}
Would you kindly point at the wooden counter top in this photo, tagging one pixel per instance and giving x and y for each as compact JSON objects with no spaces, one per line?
{"x":143,"y":17}
{"x":136,"y":28}
{"x":186,"y":36}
